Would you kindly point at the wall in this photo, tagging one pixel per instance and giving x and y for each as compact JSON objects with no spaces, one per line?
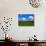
{"x":10,"y":8}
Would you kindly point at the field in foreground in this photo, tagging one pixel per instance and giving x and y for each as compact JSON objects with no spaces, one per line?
{"x":25,"y":23}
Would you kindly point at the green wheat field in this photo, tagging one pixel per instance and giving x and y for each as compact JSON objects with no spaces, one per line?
{"x":25,"y":23}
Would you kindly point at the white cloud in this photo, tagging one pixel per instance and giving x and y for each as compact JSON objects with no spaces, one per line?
{"x":31,"y":17}
{"x":23,"y":18}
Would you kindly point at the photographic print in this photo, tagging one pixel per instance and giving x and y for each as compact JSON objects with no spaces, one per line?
{"x":25,"y":19}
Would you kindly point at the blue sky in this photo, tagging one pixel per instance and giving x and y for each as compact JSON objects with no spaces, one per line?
{"x":25,"y":17}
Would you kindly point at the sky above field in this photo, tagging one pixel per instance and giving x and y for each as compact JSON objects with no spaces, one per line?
{"x":25,"y":17}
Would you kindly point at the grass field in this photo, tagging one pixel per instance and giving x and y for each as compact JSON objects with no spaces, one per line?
{"x":25,"y":23}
